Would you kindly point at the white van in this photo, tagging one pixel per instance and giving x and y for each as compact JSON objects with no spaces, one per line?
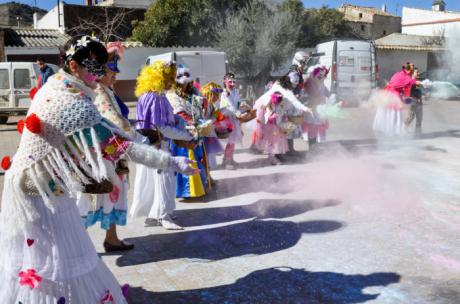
{"x":205,"y":66}
{"x":16,"y":80}
{"x":353,"y":73}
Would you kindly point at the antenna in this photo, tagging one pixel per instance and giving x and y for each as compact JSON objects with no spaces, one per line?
{"x":397,"y":8}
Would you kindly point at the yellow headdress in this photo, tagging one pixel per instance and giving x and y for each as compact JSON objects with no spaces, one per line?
{"x":210,"y":90}
{"x":155,"y":77}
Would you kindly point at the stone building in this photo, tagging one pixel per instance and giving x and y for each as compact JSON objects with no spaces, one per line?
{"x":369,"y":22}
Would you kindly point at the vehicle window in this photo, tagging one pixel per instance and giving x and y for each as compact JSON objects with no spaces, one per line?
{"x":21,"y":79}
{"x":4,"y":79}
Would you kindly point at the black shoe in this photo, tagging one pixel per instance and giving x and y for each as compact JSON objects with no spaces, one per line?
{"x":254,"y":150}
{"x":123,"y":247}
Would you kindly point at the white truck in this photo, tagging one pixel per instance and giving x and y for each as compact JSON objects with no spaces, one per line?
{"x":354,"y":70}
{"x":16,"y":80}
{"x":206,"y":66}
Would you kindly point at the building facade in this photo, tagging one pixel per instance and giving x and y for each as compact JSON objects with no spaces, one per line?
{"x":370,"y":23}
{"x":396,"y":49}
{"x":435,"y":22}
{"x":142,"y":4}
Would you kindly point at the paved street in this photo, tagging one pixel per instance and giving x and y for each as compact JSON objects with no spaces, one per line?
{"x":362,"y":220}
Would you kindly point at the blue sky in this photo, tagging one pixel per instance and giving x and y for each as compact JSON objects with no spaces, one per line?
{"x":394,"y":6}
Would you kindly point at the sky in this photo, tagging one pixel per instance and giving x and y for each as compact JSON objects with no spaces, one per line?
{"x":394,"y":6}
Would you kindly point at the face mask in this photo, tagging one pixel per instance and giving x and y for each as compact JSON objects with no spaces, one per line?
{"x":89,"y":78}
{"x":276,"y":98}
{"x":94,"y":67}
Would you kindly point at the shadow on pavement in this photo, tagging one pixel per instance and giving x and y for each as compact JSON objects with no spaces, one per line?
{"x":264,"y":208}
{"x":278,"y":285}
{"x":253,"y":237}
{"x":281,"y":183}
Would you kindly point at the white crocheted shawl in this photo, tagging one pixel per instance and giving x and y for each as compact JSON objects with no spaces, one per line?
{"x":60,"y":158}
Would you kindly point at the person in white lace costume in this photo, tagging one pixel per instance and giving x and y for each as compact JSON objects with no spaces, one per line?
{"x":109,"y":209}
{"x":47,"y":255}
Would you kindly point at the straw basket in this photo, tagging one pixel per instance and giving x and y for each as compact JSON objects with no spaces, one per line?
{"x":288,"y":127}
{"x":98,"y":187}
{"x":247,"y":116}
{"x":153,"y":135}
{"x":297,"y":120}
{"x":223,"y":133}
{"x":185,"y":144}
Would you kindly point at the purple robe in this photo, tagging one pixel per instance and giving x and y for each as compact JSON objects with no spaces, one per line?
{"x":154,"y":110}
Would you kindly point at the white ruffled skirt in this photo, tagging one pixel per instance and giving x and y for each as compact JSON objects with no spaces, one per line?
{"x":59,"y":249}
{"x":388,"y":120}
{"x":154,"y":192}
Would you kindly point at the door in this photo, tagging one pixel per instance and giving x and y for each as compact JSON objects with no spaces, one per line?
{"x":354,"y":73}
{"x":191,"y":60}
{"x":213,"y":67}
{"x":5,"y":85}
{"x":22,"y":83}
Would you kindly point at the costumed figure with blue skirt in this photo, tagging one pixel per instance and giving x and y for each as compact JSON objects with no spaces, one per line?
{"x":110,"y":209}
{"x":188,"y":105}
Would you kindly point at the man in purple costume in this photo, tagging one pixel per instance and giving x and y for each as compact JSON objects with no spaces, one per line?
{"x":155,"y":190}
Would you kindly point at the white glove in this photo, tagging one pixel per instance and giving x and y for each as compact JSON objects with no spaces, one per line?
{"x":183,"y":165}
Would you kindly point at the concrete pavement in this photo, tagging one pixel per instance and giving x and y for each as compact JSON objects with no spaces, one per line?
{"x":361,"y":220}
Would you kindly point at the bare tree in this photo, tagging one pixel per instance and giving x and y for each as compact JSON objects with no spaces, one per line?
{"x":438,"y":39}
{"x":106,"y":23}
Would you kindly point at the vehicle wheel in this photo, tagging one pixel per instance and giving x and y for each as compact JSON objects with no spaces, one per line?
{"x":3,"y":119}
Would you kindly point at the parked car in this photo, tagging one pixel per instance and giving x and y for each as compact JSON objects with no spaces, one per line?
{"x":353,"y":66}
{"x":206,"y":66}
{"x":16,"y":80}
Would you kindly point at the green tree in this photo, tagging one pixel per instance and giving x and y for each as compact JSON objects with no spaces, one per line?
{"x":258,"y":40}
{"x":322,"y":24}
{"x":183,"y":22}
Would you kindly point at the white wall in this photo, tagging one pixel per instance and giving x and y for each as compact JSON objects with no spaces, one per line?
{"x":127,"y":3}
{"x":50,"y":20}
{"x":413,"y":15}
{"x":391,"y":61}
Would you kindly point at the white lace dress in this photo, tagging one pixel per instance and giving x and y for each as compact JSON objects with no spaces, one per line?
{"x":47,"y":256}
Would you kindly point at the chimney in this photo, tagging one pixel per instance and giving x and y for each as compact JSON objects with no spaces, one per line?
{"x":439,"y":6}
{"x":384,"y":8}
{"x":89,"y":2}
{"x":35,"y":16}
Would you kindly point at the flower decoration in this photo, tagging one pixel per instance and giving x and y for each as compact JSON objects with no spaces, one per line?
{"x":33,"y":123}
{"x":30,"y":242}
{"x":20,"y":126}
{"x":29,"y":278}
{"x":107,"y":298}
{"x":114,"y":195}
{"x":6,"y":163}
{"x":110,"y":149}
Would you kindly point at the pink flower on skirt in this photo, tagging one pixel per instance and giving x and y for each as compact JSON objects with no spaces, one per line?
{"x":107,"y":298}
{"x":29,"y":278}
{"x":114,"y":195}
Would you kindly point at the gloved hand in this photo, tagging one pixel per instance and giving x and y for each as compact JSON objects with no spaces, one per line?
{"x":183,"y":165}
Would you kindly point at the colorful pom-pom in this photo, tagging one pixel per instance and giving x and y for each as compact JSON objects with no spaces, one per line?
{"x":32,"y":93}
{"x":33,"y":123}
{"x":6,"y":163}
{"x":20,"y":126}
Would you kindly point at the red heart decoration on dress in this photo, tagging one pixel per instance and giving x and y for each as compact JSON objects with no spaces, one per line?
{"x":30,"y":242}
